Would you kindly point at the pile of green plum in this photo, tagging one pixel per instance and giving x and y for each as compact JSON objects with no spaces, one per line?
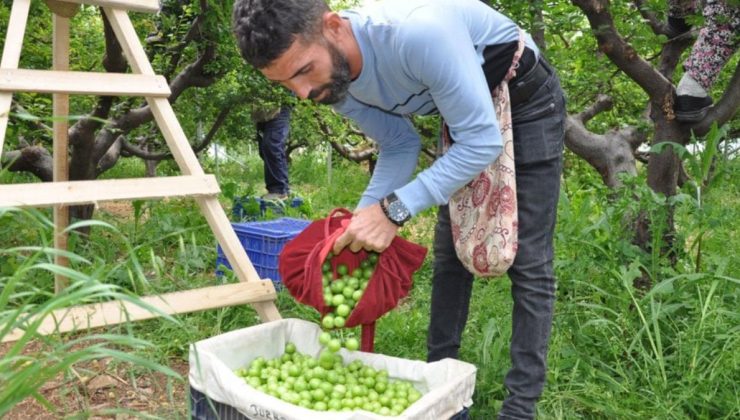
{"x":327,"y":384}
{"x":342,"y":291}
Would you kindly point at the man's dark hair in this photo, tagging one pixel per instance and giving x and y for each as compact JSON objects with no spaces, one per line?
{"x":265,"y":29}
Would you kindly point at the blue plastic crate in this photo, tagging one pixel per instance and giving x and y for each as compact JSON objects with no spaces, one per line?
{"x":263,"y":242}
{"x":239,"y":209}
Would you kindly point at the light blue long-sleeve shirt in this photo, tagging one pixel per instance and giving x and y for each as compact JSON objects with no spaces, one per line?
{"x":424,"y":57}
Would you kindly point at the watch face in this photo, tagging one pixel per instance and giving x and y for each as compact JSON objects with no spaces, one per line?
{"x":398,"y":211}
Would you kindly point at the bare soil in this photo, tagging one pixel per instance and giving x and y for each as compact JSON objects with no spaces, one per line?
{"x":103,"y":389}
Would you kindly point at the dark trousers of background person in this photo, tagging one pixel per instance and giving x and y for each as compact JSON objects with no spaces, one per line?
{"x":272,"y":136}
{"x":539,"y":132}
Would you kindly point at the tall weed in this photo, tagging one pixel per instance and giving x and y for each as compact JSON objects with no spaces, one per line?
{"x":24,"y":304}
{"x":623,"y":352}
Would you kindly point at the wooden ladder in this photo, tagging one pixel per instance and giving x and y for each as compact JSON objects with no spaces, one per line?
{"x":194,"y":182}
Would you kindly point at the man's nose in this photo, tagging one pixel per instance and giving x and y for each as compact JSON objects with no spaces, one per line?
{"x":302,"y":90}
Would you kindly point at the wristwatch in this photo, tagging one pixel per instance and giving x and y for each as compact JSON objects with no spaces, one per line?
{"x":395,"y":210}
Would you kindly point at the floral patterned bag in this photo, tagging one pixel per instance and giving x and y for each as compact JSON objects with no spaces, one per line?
{"x":483,"y":213}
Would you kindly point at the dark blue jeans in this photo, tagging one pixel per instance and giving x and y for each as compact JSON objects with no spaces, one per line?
{"x":539,"y":131}
{"x":272,"y":136}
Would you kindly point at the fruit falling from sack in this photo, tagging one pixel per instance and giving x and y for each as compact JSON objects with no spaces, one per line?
{"x":343,"y":290}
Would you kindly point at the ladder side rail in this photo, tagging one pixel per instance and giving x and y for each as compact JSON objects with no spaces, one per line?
{"x":186,"y":159}
{"x":60,"y":126}
{"x":11,"y":56}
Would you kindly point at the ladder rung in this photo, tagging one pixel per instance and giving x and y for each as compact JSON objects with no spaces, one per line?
{"x":48,"y":194}
{"x":149,"y":6}
{"x":116,"y":311}
{"x":84,"y":83}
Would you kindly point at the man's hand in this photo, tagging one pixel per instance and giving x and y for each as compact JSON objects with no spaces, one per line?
{"x":368,"y":229}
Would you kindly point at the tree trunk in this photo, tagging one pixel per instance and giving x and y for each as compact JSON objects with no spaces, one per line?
{"x":664,"y":167}
{"x":151,"y":168}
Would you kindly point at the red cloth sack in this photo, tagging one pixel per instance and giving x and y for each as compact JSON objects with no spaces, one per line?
{"x":300,"y":267}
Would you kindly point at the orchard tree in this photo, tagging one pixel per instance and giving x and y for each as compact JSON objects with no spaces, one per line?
{"x":633,"y":36}
{"x":651,"y":66}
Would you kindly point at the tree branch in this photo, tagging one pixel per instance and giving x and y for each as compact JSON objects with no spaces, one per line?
{"x":195,"y":33}
{"x":671,"y":53}
{"x":194,"y":75}
{"x":611,"y":153}
{"x":34,"y":159}
{"x":133,"y":150}
{"x":114,"y":60}
{"x":537,"y":29}
{"x":651,"y":18}
{"x":81,"y":134}
{"x":111,"y":156}
{"x":429,"y":152}
{"x":293,"y":146}
{"x":603,"y":103}
{"x":619,"y":51}
{"x":353,"y":155}
{"x":346,"y":152}
{"x":38,"y":123}
{"x":207,"y":139}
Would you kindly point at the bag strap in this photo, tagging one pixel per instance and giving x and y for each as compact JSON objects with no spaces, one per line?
{"x":338,"y":212}
{"x":368,"y":337}
{"x":515,"y":61}
{"x":510,"y":74}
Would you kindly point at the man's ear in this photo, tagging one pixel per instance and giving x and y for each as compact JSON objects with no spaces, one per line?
{"x":332,"y":25}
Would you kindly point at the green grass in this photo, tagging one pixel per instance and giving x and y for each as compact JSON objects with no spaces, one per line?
{"x":616,"y":351}
{"x":621,"y":352}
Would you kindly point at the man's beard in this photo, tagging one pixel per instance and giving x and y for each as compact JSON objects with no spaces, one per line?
{"x":336,"y":89}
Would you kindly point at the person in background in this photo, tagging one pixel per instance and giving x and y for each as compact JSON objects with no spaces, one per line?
{"x":717,"y":42}
{"x":390,"y":59}
{"x":273,"y":128}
